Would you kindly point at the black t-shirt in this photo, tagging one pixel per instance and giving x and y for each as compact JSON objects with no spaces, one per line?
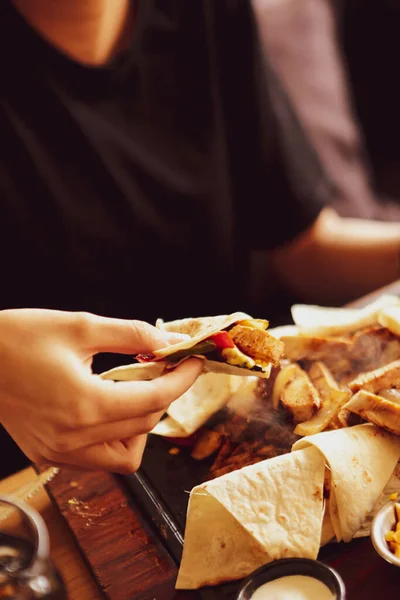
{"x":138,"y":189}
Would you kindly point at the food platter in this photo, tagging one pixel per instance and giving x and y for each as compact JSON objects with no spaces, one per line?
{"x":241,"y":434}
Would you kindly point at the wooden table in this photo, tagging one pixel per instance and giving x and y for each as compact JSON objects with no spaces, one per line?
{"x":128,"y":559}
{"x":64,"y":551}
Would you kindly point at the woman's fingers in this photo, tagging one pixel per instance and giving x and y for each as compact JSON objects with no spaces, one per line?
{"x":129,"y":400}
{"x":115,"y":411}
{"x":107,"y":432}
{"x":121,"y":456}
{"x":101,"y":334}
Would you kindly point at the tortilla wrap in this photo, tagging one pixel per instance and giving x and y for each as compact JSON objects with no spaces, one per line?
{"x":136,"y":372}
{"x":390,"y":318}
{"x":335,"y":321}
{"x":392,"y":486}
{"x":284,"y":330}
{"x":199,"y":329}
{"x":168,"y":427}
{"x":208,"y":394}
{"x":376,"y":410}
{"x":152,"y":370}
{"x":361,"y":460}
{"x":327,"y":533}
{"x":247,"y":518}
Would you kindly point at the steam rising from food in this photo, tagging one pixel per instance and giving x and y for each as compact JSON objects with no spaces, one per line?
{"x":308,"y":392}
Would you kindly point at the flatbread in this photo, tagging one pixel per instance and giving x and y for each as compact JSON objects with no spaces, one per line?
{"x":209,"y":393}
{"x":376,"y":410}
{"x":392,"y":486}
{"x":283,"y":330}
{"x":244,"y":519}
{"x":217,"y":547}
{"x":199,"y":329}
{"x":169,"y":428}
{"x":361,"y":460}
{"x":152,"y":370}
{"x":136,"y":372}
{"x":319,"y":320}
{"x":328,"y":532}
{"x":390,"y":318}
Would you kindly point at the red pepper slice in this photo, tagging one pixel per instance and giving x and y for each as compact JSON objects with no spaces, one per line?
{"x":145,"y":358}
{"x":222,"y":340}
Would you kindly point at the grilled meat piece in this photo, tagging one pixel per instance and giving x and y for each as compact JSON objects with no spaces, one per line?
{"x":375,"y":409}
{"x":370,"y":349}
{"x":257,"y":343}
{"x":348,"y":419}
{"x":374,"y":347}
{"x":314,"y":348}
{"x":246,"y":453}
{"x":299,"y":396}
{"x":383,"y":378}
{"x":393,"y":395}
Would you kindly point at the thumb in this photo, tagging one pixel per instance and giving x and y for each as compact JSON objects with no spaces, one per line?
{"x":101,"y":334}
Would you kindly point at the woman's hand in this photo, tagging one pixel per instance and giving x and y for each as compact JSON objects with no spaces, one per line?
{"x":58,"y":411}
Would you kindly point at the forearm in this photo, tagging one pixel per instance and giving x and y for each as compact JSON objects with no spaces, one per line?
{"x":339,"y":259}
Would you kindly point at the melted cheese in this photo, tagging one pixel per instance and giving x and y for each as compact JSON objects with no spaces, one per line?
{"x":234,"y":356}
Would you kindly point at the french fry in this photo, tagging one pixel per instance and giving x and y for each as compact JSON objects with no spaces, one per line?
{"x":393,"y":536}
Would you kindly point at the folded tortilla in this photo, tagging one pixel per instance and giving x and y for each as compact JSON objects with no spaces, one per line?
{"x":152,"y":370}
{"x":247,"y":518}
{"x":169,"y":428}
{"x":198,"y":329}
{"x":284,"y":330}
{"x":361,"y":460}
{"x":392,"y":487}
{"x":390,"y":318}
{"x":209,"y":393}
{"x":276,"y":509}
{"x":320,"y":320}
{"x":233,"y":361}
{"x":376,"y":409}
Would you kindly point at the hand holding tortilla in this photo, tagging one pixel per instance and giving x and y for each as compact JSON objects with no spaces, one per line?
{"x":233,"y":344}
{"x":276,"y":507}
{"x":71,"y":416}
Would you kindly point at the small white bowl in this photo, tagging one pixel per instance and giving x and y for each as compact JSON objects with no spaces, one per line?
{"x":384,"y":521}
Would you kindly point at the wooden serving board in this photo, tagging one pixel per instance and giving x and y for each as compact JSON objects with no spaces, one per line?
{"x":130,"y":530}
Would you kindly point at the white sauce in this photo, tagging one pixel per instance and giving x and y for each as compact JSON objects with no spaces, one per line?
{"x":293,"y":587}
